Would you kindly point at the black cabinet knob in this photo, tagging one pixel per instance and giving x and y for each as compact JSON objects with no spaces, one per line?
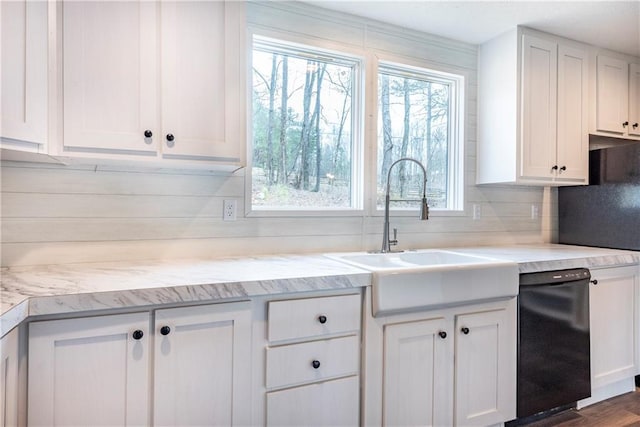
{"x":594,"y":281}
{"x":170,"y":137}
{"x":137,"y":334}
{"x":625,"y":124}
{"x":554,"y":168}
{"x":563,"y":168}
{"x":165,"y":330}
{"x":442,"y":334}
{"x":635,"y":125}
{"x":464,"y":330}
{"x":322,"y":319}
{"x":148,"y":133}
{"x":315,"y":364}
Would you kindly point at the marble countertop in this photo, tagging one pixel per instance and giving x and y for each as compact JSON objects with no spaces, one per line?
{"x":546,"y":257}
{"x":69,"y":288}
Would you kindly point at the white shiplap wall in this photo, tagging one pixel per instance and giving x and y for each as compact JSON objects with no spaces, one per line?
{"x":59,"y":214}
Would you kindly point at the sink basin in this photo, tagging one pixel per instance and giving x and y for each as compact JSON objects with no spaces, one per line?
{"x":410,"y":259}
{"x":418,"y":280}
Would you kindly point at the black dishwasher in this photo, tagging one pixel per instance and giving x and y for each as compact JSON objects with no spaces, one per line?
{"x":554,"y":369}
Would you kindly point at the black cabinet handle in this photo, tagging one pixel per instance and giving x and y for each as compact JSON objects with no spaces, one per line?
{"x":594,"y":281}
{"x":322,"y":319}
{"x":137,"y":334}
{"x":635,"y":125}
{"x":315,"y":364}
{"x":442,"y":334}
{"x":625,"y":124}
{"x":165,"y":330}
{"x":563,"y":168}
{"x":170,"y":139}
{"x":464,"y":330}
{"x":148,"y":133}
{"x":554,"y":168}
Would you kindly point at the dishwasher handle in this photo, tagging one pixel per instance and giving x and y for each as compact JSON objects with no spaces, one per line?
{"x":555,"y":277}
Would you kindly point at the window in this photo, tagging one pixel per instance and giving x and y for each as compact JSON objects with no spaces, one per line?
{"x":419,"y":114}
{"x":305,"y":127}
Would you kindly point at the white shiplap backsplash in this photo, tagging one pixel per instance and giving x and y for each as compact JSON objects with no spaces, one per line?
{"x":62,"y":214}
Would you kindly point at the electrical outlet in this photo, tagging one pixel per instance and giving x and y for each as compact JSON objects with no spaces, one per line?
{"x":229,"y":210}
{"x":477,"y":212}
{"x":535,"y":211}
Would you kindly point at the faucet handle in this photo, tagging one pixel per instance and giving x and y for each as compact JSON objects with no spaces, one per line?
{"x":394,"y":241}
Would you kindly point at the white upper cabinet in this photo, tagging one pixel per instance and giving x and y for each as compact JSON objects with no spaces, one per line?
{"x":533,"y":110}
{"x":154,"y":80}
{"x":110,"y":76}
{"x":23,"y":116}
{"x":612,"y":94}
{"x":201,"y":80}
{"x":539,"y":103}
{"x":573,"y":119}
{"x":617,"y":88}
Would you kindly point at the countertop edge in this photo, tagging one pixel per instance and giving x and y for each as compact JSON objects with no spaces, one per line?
{"x":146,"y":298}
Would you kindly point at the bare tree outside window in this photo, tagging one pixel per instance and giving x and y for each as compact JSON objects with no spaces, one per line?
{"x":414,"y":113}
{"x":302,"y":129}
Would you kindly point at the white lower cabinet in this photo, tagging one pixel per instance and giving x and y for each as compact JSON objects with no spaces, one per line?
{"x":313,"y":362}
{"x":329,"y":403}
{"x":98,"y":370}
{"x":454,"y":366}
{"x":9,"y":379}
{"x":485,"y":367}
{"x":89,"y":371}
{"x":200,"y":367}
{"x":614,"y":324}
{"x":417,"y":373}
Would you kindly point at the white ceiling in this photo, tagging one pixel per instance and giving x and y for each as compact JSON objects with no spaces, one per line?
{"x":610,"y":24}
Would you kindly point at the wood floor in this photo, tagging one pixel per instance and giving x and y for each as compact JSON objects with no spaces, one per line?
{"x":621,"y":411}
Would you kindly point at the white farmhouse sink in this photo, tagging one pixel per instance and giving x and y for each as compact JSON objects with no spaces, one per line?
{"x":426,"y":279}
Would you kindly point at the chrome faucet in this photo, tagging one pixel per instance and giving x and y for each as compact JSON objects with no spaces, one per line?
{"x":424,"y":211}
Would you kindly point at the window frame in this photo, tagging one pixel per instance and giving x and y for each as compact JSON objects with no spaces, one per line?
{"x":304,"y":48}
{"x":364,"y":118}
{"x":456,"y":182}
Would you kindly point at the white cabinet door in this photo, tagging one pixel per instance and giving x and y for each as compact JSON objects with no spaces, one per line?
{"x":573,"y":118}
{"x":485,"y":367}
{"x":172,"y":70}
{"x":331,"y":403}
{"x":89,"y":371}
{"x":612,"y":313}
{"x":539,"y":103}
{"x":417,"y":374}
{"x":201,"y":77}
{"x":202,"y":365}
{"x":9,"y":359}
{"x":110,"y":68}
{"x":612,"y":93}
{"x":634,"y":100}
{"x":24,"y":74}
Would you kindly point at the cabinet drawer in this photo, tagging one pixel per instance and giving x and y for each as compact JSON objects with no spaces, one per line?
{"x":331,"y":403}
{"x":313,"y":317}
{"x":294,"y":364}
